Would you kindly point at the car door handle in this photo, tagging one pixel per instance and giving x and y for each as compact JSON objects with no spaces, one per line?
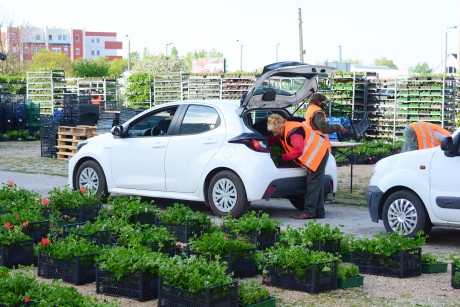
{"x":210,"y":141}
{"x":159,"y":145}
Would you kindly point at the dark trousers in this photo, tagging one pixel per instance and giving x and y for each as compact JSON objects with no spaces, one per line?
{"x":314,"y":197}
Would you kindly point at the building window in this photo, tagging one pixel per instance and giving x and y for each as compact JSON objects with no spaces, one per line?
{"x":50,"y":37}
{"x":64,"y":37}
{"x":98,"y":52}
{"x":26,"y":50}
{"x":77,"y":51}
{"x":37,"y":37}
{"x":14,"y":49}
{"x":66,"y":52}
{"x":92,"y":52}
{"x":14,"y":36}
{"x":98,"y":40}
{"x":35,"y":50}
{"x":56,"y":50}
{"x":92,"y":41}
{"x":59,"y":37}
{"x":77,"y":38}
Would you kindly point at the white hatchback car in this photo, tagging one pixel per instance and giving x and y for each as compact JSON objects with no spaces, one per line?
{"x":213,"y":151}
{"x":416,"y":190}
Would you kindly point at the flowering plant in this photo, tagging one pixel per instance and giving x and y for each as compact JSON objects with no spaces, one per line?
{"x":60,"y":198}
{"x":68,"y":248}
{"x":179,"y":213}
{"x":10,"y":233}
{"x":125,"y":207}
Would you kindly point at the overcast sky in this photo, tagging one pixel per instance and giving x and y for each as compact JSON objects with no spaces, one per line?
{"x":407,"y":32}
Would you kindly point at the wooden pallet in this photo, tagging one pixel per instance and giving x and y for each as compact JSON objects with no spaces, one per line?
{"x":68,"y":138}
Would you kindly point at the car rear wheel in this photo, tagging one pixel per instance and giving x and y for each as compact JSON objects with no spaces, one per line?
{"x":91,"y":176}
{"x":405,"y":213}
{"x":227,"y":195}
{"x":298,"y":201}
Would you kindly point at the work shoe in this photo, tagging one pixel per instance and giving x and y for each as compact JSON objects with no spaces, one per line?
{"x":304,"y":217}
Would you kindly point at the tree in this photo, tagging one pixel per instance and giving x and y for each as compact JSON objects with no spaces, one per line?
{"x":420,"y":69}
{"x":91,"y":68}
{"x":117,"y":67}
{"x":385,"y":62}
{"x":49,"y":60}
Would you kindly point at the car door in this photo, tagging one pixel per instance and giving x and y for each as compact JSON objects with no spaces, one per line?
{"x":199,"y":136}
{"x":445,"y":186}
{"x":137,"y":159}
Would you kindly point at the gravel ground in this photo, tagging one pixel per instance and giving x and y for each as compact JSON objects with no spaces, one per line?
{"x":425,"y":290}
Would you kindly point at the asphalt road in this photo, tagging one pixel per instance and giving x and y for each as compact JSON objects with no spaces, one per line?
{"x":349,"y":218}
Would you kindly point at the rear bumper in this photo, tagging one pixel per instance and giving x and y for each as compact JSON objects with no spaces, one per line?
{"x":281,"y":188}
{"x":373,"y":200}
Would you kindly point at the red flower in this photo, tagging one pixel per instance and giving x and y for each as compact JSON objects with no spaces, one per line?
{"x":225,"y":238}
{"x":45,"y":241}
{"x":7,"y":225}
{"x":26,"y":299}
{"x":266,"y":279}
{"x":25,"y":224}
{"x":82,"y":190}
{"x":18,"y":217}
{"x":10,"y":183}
{"x":46,"y":201}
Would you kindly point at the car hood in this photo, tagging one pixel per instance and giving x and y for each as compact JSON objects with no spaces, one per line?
{"x":282,"y":85}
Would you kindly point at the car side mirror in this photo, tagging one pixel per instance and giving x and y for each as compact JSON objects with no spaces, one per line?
{"x":117,"y":131}
{"x":447,"y":145}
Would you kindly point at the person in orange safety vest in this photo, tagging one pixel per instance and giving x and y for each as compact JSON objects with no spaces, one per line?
{"x":422,"y":135}
{"x":309,"y":150}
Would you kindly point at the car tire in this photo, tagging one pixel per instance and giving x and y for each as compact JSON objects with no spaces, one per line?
{"x":403,"y":210}
{"x":298,"y":201}
{"x":227,"y":195}
{"x":91,"y":176}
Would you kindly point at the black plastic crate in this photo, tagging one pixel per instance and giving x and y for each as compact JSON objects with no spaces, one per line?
{"x":37,"y":230}
{"x":317,"y":278}
{"x":402,"y":264}
{"x":17,"y":253}
{"x":82,"y":213}
{"x":139,"y":286}
{"x":328,"y":246}
{"x":454,"y":270}
{"x":184,"y":231}
{"x":169,"y":247}
{"x":223,"y":296}
{"x":144,"y":218}
{"x":262,"y":239}
{"x":102,"y":237}
{"x":79,"y":270}
{"x":356,"y":126}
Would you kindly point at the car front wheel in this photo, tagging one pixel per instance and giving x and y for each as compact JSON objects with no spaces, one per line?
{"x":91,"y":176}
{"x":405,"y":213}
{"x":227,"y":195}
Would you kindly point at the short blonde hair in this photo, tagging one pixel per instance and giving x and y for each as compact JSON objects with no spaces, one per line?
{"x":275,"y":122}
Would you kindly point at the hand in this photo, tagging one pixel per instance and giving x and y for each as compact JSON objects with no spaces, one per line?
{"x":342,"y":130}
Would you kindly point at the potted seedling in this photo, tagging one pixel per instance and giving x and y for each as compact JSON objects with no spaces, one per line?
{"x":432,"y":264}
{"x":253,"y":294}
{"x":348,"y":276}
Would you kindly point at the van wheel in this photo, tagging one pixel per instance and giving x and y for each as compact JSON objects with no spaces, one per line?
{"x":227,"y":195}
{"x":405,"y":213}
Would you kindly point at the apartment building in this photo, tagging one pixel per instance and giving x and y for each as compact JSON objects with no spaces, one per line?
{"x":24,"y":42}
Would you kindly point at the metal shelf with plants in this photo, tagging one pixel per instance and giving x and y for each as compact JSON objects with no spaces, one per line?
{"x":46,"y":88}
{"x":234,"y":87}
{"x":170,"y":87}
{"x":205,"y":87}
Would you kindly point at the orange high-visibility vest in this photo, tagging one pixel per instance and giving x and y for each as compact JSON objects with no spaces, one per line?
{"x":311,"y":110}
{"x":425,"y":134}
{"x":314,"y":146}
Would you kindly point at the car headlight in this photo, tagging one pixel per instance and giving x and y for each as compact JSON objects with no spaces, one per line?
{"x":81,"y":144}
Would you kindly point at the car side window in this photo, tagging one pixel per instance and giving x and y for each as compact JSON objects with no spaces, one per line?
{"x":199,"y":119}
{"x":153,"y":124}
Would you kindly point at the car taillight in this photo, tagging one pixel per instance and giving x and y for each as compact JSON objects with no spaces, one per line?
{"x":251,"y":142}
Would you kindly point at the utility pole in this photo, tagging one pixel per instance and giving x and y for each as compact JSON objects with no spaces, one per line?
{"x":300,"y":35}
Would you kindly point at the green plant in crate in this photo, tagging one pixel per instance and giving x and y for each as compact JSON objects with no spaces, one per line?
{"x":179,"y":213}
{"x":10,"y":234}
{"x":251,"y":221}
{"x":125,"y":207}
{"x":347,"y":271}
{"x":251,"y":292}
{"x":430,"y":258}
{"x":388,"y":244}
{"x":218,"y":243}
{"x":122,"y":261}
{"x":310,"y":234}
{"x":133,"y":236}
{"x":194,"y":273}
{"x":15,"y":196}
{"x":68,"y":248}
{"x":61,"y":198}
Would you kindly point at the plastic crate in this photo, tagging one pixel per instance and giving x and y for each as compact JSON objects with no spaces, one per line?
{"x":223,"y":296}
{"x":139,"y":286}
{"x":402,"y":264}
{"x":37,"y":230}
{"x":184,"y":231}
{"x":82,"y":213}
{"x":453,"y":271}
{"x":269,"y":302}
{"x":262,"y":239}
{"x":144,"y":218}
{"x":329,"y":246}
{"x":318,"y":278}
{"x":356,"y":126}
{"x":17,"y":253}
{"x":79,"y":270}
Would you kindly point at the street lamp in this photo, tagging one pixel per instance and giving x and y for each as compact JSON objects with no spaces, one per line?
{"x":241,"y":55}
{"x":445,"y":54}
{"x":277,"y":51}
{"x":167,"y":47}
{"x":129,"y":52}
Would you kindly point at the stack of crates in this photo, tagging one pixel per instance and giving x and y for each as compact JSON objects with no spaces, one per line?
{"x":7,"y":113}
{"x":32,"y":114}
{"x":19,"y":116}
{"x":48,"y":136}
